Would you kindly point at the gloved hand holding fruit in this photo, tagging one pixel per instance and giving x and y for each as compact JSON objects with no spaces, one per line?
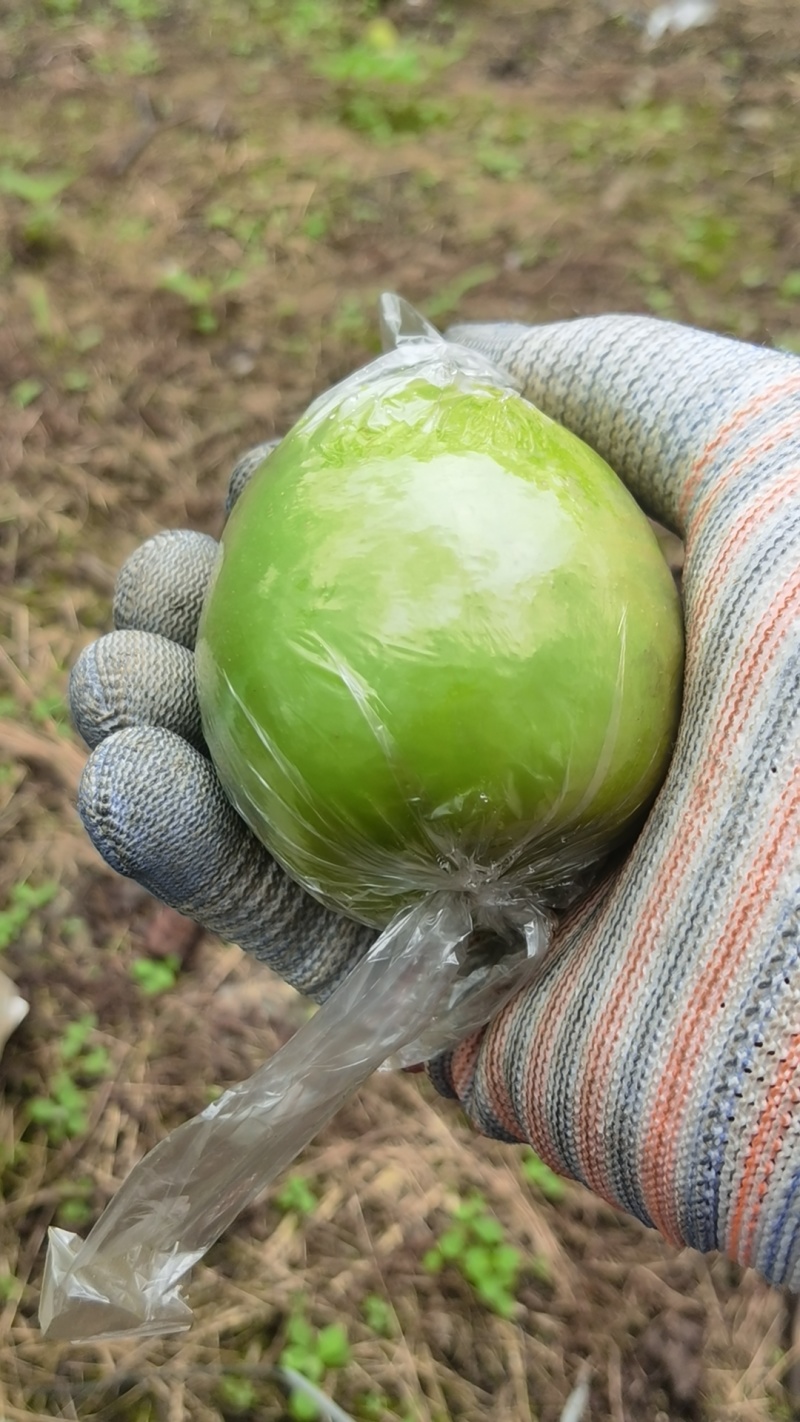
{"x":655,"y":1056}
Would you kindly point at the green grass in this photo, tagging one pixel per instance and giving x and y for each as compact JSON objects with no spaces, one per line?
{"x":37,"y":190}
{"x":203,"y":297}
{"x":155,"y":976}
{"x":63,"y":1110}
{"x":236,"y":1393}
{"x":38,"y":195}
{"x":544,"y":1180}
{"x":314,"y":1354}
{"x":24,"y":392}
{"x":475,"y":1244}
{"x":296,"y":1197}
{"x":24,"y":902}
{"x":385,"y":88}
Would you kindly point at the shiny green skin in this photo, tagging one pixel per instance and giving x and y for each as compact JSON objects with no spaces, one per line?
{"x":440,"y":633}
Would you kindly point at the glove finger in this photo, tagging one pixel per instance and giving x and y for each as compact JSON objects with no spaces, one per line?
{"x":244,"y":470}
{"x":134,"y":679}
{"x":155,"y":810}
{"x":162,"y":585}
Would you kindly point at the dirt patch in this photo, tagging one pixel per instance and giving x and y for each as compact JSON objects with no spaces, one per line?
{"x":199,"y":210}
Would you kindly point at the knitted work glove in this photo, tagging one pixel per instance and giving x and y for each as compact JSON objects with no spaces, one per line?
{"x":655,"y":1058}
{"x":150,"y":797}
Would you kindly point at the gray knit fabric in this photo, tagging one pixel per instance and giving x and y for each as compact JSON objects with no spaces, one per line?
{"x":156,"y":812}
{"x":161,"y":586}
{"x":135,"y":678}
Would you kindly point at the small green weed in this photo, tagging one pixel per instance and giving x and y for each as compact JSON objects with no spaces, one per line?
{"x":75,"y":382}
{"x":475,"y":1244}
{"x":305,"y":24}
{"x":373,"y":1406}
{"x":705,"y":247}
{"x":315,"y":225}
{"x":75,"y":1209}
{"x":25,"y":392}
{"x":221,"y":217}
{"x":296,"y":1197}
{"x":312,"y":1353}
{"x":40,"y":193}
{"x":499,"y":163}
{"x":140,"y":10}
{"x":247,"y":229}
{"x":380,"y":58}
{"x":140,"y":57}
{"x":629,"y":134}
{"x":203,"y":296}
{"x":44,"y":322}
{"x":450,"y":296}
{"x":537,"y":1173}
{"x":64,"y":1112}
{"x":236,"y":1393}
{"x":24,"y":901}
{"x":155,"y":975}
{"x":87,"y":338}
{"x":37,"y":190}
{"x":658,"y":296}
{"x":378,"y":1315}
{"x":754,"y":278}
{"x":74,"y":1213}
{"x":382,"y":84}
{"x":75,"y":1047}
{"x":789,"y":288}
{"x":72,"y":926}
{"x":9,"y":1287}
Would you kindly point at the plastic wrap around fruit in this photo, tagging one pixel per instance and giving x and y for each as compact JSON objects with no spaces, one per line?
{"x":441,"y":648}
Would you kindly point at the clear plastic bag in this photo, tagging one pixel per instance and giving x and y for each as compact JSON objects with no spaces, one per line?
{"x":416,"y":991}
{"x":464,"y":891}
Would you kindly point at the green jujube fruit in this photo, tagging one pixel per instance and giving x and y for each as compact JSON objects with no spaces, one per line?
{"x":441,"y":645}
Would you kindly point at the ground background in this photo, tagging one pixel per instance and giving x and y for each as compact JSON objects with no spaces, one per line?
{"x":199,"y":203}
